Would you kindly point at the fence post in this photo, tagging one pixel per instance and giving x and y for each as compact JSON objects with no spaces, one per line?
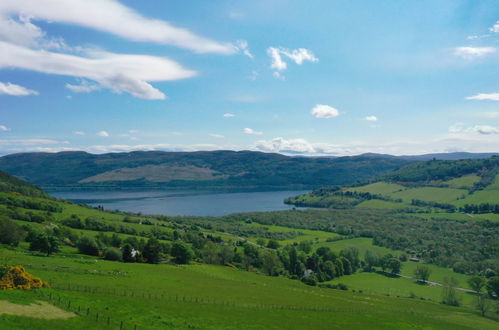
{"x":108,"y":320}
{"x":121,"y":325}
{"x":97,"y":316}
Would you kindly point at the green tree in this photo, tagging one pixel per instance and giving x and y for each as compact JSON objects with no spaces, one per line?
{"x":210,"y":253}
{"x":273,"y":244}
{"x":271,"y":263}
{"x":477,"y":283}
{"x":493,"y":286}
{"x":152,"y":251}
{"x":127,"y":253}
{"x":46,"y":243}
{"x":422,"y":273}
{"x":113,"y":254}
{"x":10,"y":232}
{"x":182,"y":253}
{"x":394,"y":265}
{"x":371,"y":259}
{"x":449,"y":292}
{"x":482,"y":303}
{"x":89,"y":245}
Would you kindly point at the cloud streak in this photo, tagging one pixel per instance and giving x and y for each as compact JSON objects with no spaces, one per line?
{"x":484,"y":96}
{"x":15,"y":90}
{"x":112,"y":17}
{"x":118,"y":72}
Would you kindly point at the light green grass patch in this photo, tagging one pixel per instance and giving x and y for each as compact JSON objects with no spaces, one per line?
{"x":430,"y":194}
{"x":378,"y":188}
{"x":479,"y":197}
{"x":381,"y":204}
{"x":362,"y":244}
{"x":465,"y":181}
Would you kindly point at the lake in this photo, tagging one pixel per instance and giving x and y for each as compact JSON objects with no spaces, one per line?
{"x":186,"y":202}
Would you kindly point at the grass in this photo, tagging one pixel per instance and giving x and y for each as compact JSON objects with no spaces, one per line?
{"x":465,"y":181}
{"x":362,"y":244}
{"x":430,"y":194}
{"x":494,"y":185}
{"x":215,"y":297}
{"x":378,"y":188}
{"x":381,"y":204}
{"x":304,"y":234}
{"x":479,"y":197}
{"x":376,"y":283}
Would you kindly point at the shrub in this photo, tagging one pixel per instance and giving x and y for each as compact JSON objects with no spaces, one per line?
{"x":113,"y":254}
{"x":88,"y":245}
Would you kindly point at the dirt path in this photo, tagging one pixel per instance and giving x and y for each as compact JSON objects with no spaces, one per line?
{"x":38,"y":309}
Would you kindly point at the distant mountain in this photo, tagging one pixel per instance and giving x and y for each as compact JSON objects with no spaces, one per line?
{"x":203,"y":169}
{"x":437,"y":156}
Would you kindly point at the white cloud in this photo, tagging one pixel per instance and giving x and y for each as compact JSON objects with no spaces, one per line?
{"x":473,"y":52}
{"x":324,"y":111}
{"x":108,"y":16}
{"x":29,"y":142}
{"x":218,"y":136}
{"x":83,"y":87}
{"x":81,"y":133}
{"x":456,"y":128}
{"x":133,"y":131}
{"x":277,"y":62}
{"x":371,"y":118}
{"x":495,"y":28}
{"x":4,"y":128}
{"x":103,"y":134}
{"x":485,"y":96}
{"x":15,"y":90}
{"x":118,"y":72}
{"x":491,"y":115}
{"x":229,"y":115}
{"x":242,"y":46}
{"x":251,"y":131}
{"x":298,"y":56}
{"x":280,"y":144}
{"x":483,"y":129}
{"x":278,"y":75}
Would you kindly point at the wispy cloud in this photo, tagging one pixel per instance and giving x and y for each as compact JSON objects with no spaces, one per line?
{"x":484,"y":96}
{"x":103,"y":134}
{"x":495,"y":27}
{"x":251,"y":131}
{"x":80,"y":133}
{"x":15,"y":90}
{"x":118,"y":72}
{"x":371,"y":118}
{"x":324,"y":111}
{"x":473,"y":52}
{"x":218,"y":136}
{"x":83,"y":87}
{"x":112,"y":17}
{"x":298,"y":56}
{"x":228,"y":115}
{"x":4,"y":128}
{"x":242,"y":46}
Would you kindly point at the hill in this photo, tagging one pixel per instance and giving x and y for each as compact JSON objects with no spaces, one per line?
{"x":246,"y":169}
{"x":245,"y":269}
{"x":466,"y":185}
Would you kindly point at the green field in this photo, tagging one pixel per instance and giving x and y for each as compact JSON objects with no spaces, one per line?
{"x":378,"y":188}
{"x":203,"y":296}
{"x":466,"y":181}
{"x":430,"y":194}
{"x":479,"y":197}
{"x":315,"y":236}
{"x":381,"y":204}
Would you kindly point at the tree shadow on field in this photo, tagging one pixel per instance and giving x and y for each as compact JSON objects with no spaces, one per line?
{"x":386,"y":274}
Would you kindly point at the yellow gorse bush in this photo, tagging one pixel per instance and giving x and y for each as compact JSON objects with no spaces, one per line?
{"x":17,"y":278}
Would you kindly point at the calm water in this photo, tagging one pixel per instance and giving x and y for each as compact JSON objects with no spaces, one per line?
{"x":183,"y":202}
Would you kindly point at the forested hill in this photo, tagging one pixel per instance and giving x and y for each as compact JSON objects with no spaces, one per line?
{"x":442,"y":170}
{"x":241,"y":169}
{"x":11,"y":184}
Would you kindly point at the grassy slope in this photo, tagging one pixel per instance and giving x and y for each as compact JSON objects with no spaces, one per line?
{"x":250,"y":298}
{"x":379,"y":188}
{"x":430,"y":194}
{"x":466,"y":181}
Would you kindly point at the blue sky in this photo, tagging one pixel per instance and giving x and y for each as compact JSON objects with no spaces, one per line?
{"x":296,"y":77}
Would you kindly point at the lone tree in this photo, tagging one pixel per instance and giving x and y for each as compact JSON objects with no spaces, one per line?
{"x":182,"y":253}
{"x":422,"y":273}
{"x":45,"y":243}
{"x":152,"y":251}
{"x":482,"y":303}
{"x":449,"y":292}
{"x":493,"y":286}
{"x":477,"y":283}
{"x":394,"y":265}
